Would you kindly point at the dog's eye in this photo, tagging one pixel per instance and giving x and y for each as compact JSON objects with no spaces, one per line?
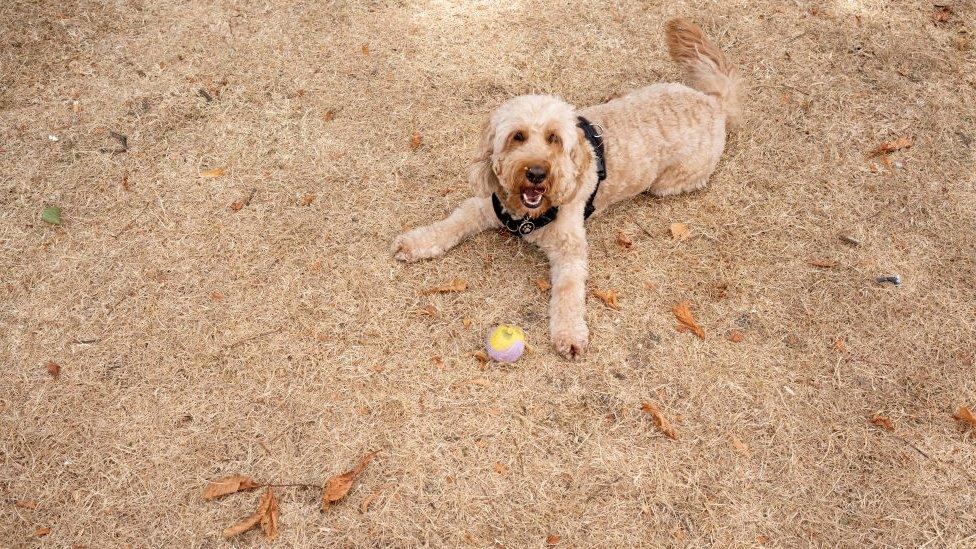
{"x":519,"y":136}
{"x":553,"y":139}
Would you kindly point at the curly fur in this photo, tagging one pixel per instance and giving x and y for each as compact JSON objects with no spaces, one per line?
{"x":665,"y":138}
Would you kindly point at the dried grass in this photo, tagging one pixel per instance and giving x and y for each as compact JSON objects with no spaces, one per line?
{"x":277,"y":341}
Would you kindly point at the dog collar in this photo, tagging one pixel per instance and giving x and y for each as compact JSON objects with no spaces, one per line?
{"x":524,"y":226}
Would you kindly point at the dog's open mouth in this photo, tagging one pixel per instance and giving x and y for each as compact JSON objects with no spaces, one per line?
{"x":531,"y":198}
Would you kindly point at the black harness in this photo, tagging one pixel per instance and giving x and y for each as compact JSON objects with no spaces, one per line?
{"x":524,"y":226}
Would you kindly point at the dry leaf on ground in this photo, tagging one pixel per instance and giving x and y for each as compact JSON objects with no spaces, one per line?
{"x":228,"y":485}
{"x":823,"y":263}
{"x":41,"y":532}
{"x":416,"y":140}
{"x":481,"y":356}
{"x":213,"y":172}
{"x":553,"y":539}
{"x":239,"y":204}
{"x":466,"y":322}
{"x":659,"y":420}
{"x":308,"y":199}
{"x":255,"y":518}
{"x":338,"y":486}
{"x":53,"y":369}
{"x":941,"y":14}
{"x":365,"y":48}
{"x":26,"y":504}
{"x":428,"y":310}
{"x":740,"y":446}
{"x":543,"y":284}
{"x":883,"y":422}
{"x":735,"y":336}
{"x":269,"y":521}
{"x":456,"y":285}
{"x":609,"y":297}
{"x":892,"y":146}
{"x":364,"y":506}
{"x":682,"y":311}
{"x":680,"y":231}
{"x":624,"y":240}
{"x":965,"y":415}
{"x":500,"y":468}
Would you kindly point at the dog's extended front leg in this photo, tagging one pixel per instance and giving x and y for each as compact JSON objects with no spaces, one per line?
{"x":470,"y":217}
{"x":567,"y":304}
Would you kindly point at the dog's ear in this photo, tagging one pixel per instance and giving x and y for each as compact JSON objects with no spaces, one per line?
{"x":481,"y":176}
{"x":582,"y":156}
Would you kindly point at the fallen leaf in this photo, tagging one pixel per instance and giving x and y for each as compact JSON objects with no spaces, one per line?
{"x":242,"y":201}
{"x":659,"y":420}
{"x":328,"y":115}
{"x":216,"y":296}
{"x":680,"y":231}
{"x":365,"y":49}
{"x":823,"y":263}
{"x":941,"y":14}
{"x":307,"y":199}
{"x":416,"y":140}
{"x":479,"y":381}
{"x":456,"y":285}
{"x":965,"y":415}
{"x":892,"y":146}
{"x":543,"y":284}
{"x":252,"y":520}
{"x":839,"y":345}
{"x":609,"y":297}
{"x":466,"y":322}
{"x":428,"y":310}
{"x":624,"y":240}
{"x":26,"y":504}
{"x":481,"y":356}
{"x":735,"y":336}
{"x":125,"y":181}
{"x":338,"y":486}
{"x":883,"y":422}
{"x":740,"y":446}
{"x":364,"y":506}
{"x":41,"y":532}
{"x":213,"y":172}
{"x":53,"y":369}
{"x":269,"y":521}
{"x":500,"y":468}
{"x":52,"y":215}
{"x":228,"y":485}
{"x":553,"y":539}
{"x":682,"y":312}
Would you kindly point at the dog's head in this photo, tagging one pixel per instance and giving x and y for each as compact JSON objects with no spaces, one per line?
{"x":531,"y":155}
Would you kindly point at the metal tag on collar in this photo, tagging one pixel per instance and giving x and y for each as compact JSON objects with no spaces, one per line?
{"x":526,"y":227}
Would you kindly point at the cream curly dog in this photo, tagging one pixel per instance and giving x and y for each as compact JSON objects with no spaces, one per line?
{"x":540,"y":164}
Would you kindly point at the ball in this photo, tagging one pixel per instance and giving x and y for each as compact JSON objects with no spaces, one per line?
{"x":505,"y":343}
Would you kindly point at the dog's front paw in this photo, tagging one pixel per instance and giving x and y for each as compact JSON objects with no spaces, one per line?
{"x":571,"y":341}
{"x":416,"y":245}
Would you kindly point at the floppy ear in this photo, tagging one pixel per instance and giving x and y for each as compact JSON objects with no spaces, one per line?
{"x":480,"y":174}
{"x":582,"y":156}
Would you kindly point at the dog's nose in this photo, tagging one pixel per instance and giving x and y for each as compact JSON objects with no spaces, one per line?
{"x":535,"y":174}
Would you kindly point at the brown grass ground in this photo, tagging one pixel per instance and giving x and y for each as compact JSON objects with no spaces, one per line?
{"x":170,"y":392}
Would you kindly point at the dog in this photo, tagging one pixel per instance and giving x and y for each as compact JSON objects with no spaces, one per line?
{"x":543,"y":167}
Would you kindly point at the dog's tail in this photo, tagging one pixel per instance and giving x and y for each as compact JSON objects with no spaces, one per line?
{"x":705,"y":65}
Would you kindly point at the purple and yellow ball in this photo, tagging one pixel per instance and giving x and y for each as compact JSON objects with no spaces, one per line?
{"x":505,"y":343}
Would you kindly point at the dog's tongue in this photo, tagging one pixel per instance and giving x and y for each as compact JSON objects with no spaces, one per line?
{"x":532,"y":197}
